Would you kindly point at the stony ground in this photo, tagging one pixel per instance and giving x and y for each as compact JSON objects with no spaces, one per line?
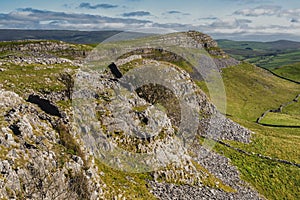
{"x":45,"y":154}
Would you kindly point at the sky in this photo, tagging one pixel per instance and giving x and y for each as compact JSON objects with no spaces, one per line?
{"x":262,"y":20}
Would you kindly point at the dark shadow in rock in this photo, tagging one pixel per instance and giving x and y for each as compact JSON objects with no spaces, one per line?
{"x":15,"y":129}
{"x":160,"y":95}
{"x":29,"y":146}
{"x":45,"y":105}
{"x":114,"y":70}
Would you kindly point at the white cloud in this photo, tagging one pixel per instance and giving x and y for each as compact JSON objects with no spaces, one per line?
{"x":259,"y":11}
{"x":277,"y":11}
{"x":290,"y":13}
{"x":43,"y":19}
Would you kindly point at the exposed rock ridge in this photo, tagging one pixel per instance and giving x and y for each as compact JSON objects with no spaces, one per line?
{"x":221,"y":59}
{"x":33,"y":165}
{"x":41,"y":46}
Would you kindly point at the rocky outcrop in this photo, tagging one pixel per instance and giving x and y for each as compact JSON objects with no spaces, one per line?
{"x":145,"y":104}
{"x":223,"y":63}
{"x":221,"y":128}
{"x":145,"y":119}
{"x":43,"y":53}
{"x":33,"y":165}
{"x":221,"y":168}
{"x":43,"y":46}
{"x":185,"y":192}
{"x":221,"y":59}
{"x":42,"y":60}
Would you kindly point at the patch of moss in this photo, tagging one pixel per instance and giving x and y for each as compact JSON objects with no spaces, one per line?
{"x":140,"y":108}
{"x":130,"y":185}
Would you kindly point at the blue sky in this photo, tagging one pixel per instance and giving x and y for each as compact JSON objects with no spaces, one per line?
{"x":234,"y":19}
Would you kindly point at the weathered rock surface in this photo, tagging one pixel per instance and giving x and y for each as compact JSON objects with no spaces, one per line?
{"x":43,"y":46}
{"x":127,"y":111}
{"x":122,"y":110}
{"x":43,"y":53}
{"x":33,"y":165}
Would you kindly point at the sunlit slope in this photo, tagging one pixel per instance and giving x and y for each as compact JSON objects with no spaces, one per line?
{"x":251,"y":91}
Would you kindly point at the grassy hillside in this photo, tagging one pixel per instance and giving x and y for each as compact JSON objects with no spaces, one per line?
{"x":293,"y":109}
{"x":281,"y":119}
{"x":276,"y":60}
{"x":72,"y":36}
{"x":80,"y":37}
{"x":291,"y":71}
{"x":251,"y":91}
{"x":249,"y":49}
{"x":289,"y":116}
{"x":281,"y":57}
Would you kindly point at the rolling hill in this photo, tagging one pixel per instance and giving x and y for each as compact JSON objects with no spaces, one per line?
{"x":280,"y":57}
{"x":250,"y":161}
{"x":71,"y":36}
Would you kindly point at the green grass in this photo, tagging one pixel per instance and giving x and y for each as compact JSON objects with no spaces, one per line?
{"x":23,"y":42}
{"x":281,"y":143}
{"x":282,"y":57}
{"x":289,"y":71}
{"x":281,"y":119}
{"x":290,"y":116}
{"x":22,"y":79}
{"x":131,"y":185}
{"x":140,"y":108}
{"x":292,"y":109}
{"x":274,"y":61}
{"x":251,"y":91}
{"x":273,"y":180}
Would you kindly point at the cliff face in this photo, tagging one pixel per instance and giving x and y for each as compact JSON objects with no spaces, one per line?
{"x":64,"y":154}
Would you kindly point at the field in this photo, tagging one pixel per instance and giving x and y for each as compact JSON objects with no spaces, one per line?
{"x":280,"y":119}
{"x":291,"y":71}
{"x":251,"y":91}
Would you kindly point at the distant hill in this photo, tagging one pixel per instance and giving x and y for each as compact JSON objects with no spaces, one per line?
{"x":248,"y":49}
{"x":282,"y":57}
{"x":280,"y":45}
{"x":78,"y":37}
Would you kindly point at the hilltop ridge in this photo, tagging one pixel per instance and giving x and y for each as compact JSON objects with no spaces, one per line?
{"x":38,"y":123}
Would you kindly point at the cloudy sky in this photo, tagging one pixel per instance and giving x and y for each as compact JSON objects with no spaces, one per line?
{"x":234,"y":19}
